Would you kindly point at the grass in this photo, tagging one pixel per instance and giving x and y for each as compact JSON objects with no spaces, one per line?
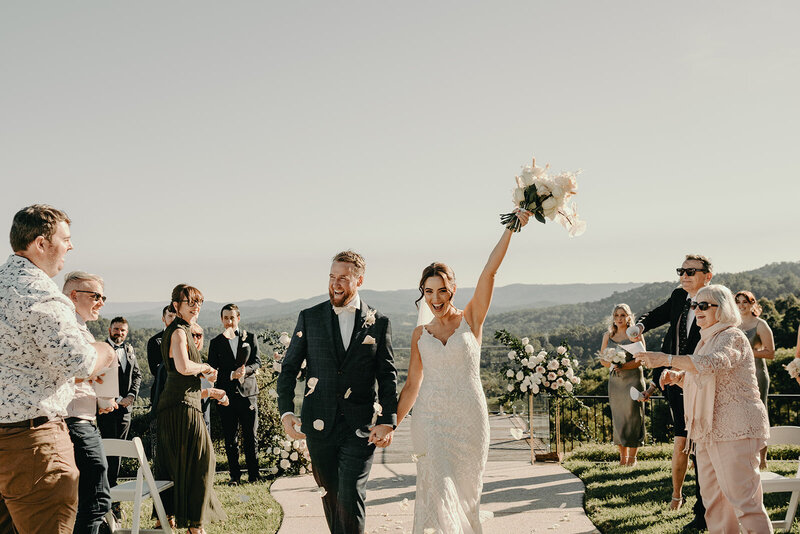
{"x":624,"y":499}
{"x":250,"y":508}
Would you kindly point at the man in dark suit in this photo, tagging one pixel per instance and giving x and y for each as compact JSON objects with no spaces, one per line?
{"x":347,"y":347}
{"x":681,"y":338}
{"x":234,"y":354}
{"x":116,"y":424}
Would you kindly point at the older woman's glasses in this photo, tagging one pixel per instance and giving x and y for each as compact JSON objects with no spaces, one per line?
{"x":691,"y":271}
{"x":702,"y":305}
{"x":95,"y":295}
{"x":193,"y":302}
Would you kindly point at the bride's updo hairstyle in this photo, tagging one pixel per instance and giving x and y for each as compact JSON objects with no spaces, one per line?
{"x":437,"y":269}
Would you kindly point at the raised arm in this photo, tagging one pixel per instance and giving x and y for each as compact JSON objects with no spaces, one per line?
{"x":477,"y":308}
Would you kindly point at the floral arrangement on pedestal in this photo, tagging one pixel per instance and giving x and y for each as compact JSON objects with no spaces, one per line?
{"x":284,"y":455}
{"x":529,"y":372}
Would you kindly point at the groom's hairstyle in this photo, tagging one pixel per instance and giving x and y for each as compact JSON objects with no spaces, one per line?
{"x":702,"y":259}
{"x":348,"y":256}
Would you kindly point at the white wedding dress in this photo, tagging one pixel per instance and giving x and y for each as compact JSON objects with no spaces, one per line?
{"x":450,"y":435}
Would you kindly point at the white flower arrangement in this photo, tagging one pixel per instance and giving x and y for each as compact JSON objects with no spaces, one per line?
{"x":291,"y":456}
{"x":793,"y":368}
{"x":529,"y":373}
{"x":547,"y":197}
{"x":613,"y":355}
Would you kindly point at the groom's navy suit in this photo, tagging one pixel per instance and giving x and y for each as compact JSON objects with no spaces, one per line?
{"x":350,"y":381}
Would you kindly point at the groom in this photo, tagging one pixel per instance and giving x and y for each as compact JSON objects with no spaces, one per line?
{"x":347,"y":347}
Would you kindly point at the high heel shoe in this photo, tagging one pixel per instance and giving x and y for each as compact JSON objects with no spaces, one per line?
{"x":677,"y":503}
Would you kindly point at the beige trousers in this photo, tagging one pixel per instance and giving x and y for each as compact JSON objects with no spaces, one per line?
{"x":730,"y":485}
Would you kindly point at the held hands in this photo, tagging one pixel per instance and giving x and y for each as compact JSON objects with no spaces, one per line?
{"x":124,"y":403}
{"x":670,"y":377}
{"x":290,"y":421}
{"x":111,"y":406}
{"x":381,"y":435}
{"x":210,"y":373}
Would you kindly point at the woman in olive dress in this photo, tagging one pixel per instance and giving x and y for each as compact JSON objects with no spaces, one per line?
{"x":627,"y":415}
{"x":184,"y":452}
{"x":762,"y":342}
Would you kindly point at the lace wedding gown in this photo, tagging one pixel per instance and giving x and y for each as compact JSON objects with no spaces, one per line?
{"x":450,"y":435}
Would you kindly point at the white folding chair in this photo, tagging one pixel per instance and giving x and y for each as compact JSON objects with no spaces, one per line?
{"x":775,"y":483}
{"x":136,"y":490}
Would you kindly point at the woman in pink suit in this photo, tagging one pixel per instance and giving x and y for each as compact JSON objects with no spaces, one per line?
{"x":726,"y":421}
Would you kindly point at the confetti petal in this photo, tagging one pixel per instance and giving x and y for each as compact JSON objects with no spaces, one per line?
{"x":516,"y":433}
{"x":312,"y":384}
{"x":319,"y":424}
{"x":347,"y":393}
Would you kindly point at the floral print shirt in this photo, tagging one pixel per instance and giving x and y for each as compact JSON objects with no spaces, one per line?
{"x":42,"y":347}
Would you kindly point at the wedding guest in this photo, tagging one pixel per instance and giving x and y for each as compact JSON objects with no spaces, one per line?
{"x":234,"y":354}
{"x":207,"y":390}
{"x":94,"y":492}
{"x":725,"y":419}
{"x":156,"y":365}
{"x":681,"y":338}
{"x":627,"y":415}
{"x":42,"y":348}
{"x":185,"y":453}
{"x":762,"y":342}
{"x":117,"y":424}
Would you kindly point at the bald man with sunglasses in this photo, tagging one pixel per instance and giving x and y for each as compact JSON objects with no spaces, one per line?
{"x":681,"y":338}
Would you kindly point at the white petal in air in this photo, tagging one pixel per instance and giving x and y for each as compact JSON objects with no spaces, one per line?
{"x":319,"y":424}
{"x":347,"y":393}
{"x":516,"y":433}
{"x":311,"y":383}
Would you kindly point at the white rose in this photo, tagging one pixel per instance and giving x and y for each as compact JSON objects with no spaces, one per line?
{"x":284,"y":454}
{"x":293,"y":457}
{"x":552,"y":365}
{"x":524,"y":361}
{"x":568,"y":386}
{"x":560,"y":381}
{"x":551,"y":376}
{"x":302,"y":470}
{"x":510,"y":373}
{"x":273,"y":470}
{"x":574,"y":363}
{"x":276,"y":450}
{"x":553,"y":386}
{"x":540,"y":370}
{"x":550,"y":206}
{"x":523,"y":388}
{"x":285,"y":464}
{"x":510,"y":388}
{"x":525,"y":341}
{"x":518,"y":195}
{"x":512,"y":355}
{"x":528,"y":349}
{"x":575,"y":380}
{"x":535,"y":389}
{"x":566,"y":362}
{"x":560,"y":372}
{"x":531,"y":364}
{"x":570,"y":373}
{"x":568,"y":182}
{"x":284,"y":339}
{"x":542,"y":354}
{"x":519,"y":375}
{"x":561,"y":350}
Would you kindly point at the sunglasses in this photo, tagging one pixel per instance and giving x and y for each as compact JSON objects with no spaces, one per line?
{"x":197,"y":336}
{"x":95,"y":295}
{"x":198,"y":302}
{"x":702,"y":305}
{"x":691,"y":271}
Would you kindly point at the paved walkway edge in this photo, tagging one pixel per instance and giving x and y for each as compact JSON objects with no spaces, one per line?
{"x":524,"y":498}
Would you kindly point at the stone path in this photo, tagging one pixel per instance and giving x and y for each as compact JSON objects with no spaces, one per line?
{"x":524,"y":498}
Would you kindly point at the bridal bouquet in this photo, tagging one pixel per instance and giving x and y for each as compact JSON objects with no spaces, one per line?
{"x":793,"y":368}
{"x":529,"y":371}
{"x":613,"y":355}
{"x":547,"y":197}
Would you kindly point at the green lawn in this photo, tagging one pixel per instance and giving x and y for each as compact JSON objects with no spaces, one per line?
{"x":250,"y":508}
{"x":624,"y":499}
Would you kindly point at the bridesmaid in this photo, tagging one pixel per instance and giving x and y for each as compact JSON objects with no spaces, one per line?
{"x":762,"y":342}
{"x":627,"y":415}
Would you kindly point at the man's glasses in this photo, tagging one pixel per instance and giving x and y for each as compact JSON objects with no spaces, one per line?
{"x":196,"y":335}
{"x":95,"y":295}
{"x":702,"y":305}
{"x":191,"y":303}
{"x":691,"y":271}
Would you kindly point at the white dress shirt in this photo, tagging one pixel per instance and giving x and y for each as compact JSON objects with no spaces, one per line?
{"x":347,"y":320}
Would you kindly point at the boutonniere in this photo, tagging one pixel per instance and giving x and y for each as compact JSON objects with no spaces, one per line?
{"x":369,"y":340}
{"x":369,"y":318}
{"x":243,"y":333}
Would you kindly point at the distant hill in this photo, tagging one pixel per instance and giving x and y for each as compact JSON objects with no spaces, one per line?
{"x":398,"y":303}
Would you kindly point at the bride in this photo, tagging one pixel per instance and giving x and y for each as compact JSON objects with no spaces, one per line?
{"x":450,"y":427}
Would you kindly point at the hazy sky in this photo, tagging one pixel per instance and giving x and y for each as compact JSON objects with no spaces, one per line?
{"x":237,"y":146}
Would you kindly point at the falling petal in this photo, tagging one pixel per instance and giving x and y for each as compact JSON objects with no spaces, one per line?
{"x":347,"y":393}
{"x":404,"y":504}
{"x":485,"y":515}
{"x":563,"y":505}
{"x":516,"y":433}
{"x":299,"y":333}
{"x":322,"y":491}
{"x":319,"y":424}
{"x":311,"y":383}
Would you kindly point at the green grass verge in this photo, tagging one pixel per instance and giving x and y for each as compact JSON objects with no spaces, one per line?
{"x":635,"y":499}
{"x":250,"y":508}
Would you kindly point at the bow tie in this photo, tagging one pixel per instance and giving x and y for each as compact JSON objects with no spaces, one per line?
{"x":350,"y":308}
{"x":235,"y":333}
{"x":118,"y":347}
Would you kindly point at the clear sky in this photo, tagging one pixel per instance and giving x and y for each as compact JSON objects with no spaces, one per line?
{"x":237,"y":146}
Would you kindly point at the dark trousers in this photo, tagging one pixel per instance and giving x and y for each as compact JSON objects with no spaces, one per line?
{"x":94,"y":493}
{"x":240,"y":410}
{"x":341,"y":463}
{"x":114,"y":425}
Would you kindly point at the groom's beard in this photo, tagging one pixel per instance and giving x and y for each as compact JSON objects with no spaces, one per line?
{"x":340,"y":300}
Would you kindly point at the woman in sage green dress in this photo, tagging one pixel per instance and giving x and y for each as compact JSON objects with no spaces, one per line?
{"x":184,"y":452}
{"x":762,"y":342}
{"x":627,"y":415}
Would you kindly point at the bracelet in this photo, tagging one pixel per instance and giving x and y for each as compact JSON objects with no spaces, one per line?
{"x":669,"y":360}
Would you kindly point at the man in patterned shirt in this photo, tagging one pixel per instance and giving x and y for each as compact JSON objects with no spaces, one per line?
{"x":42,"y":348}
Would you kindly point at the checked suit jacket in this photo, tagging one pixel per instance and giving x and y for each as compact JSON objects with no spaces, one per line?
{"x":349,"y":381}
{"x":670,"y":312}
